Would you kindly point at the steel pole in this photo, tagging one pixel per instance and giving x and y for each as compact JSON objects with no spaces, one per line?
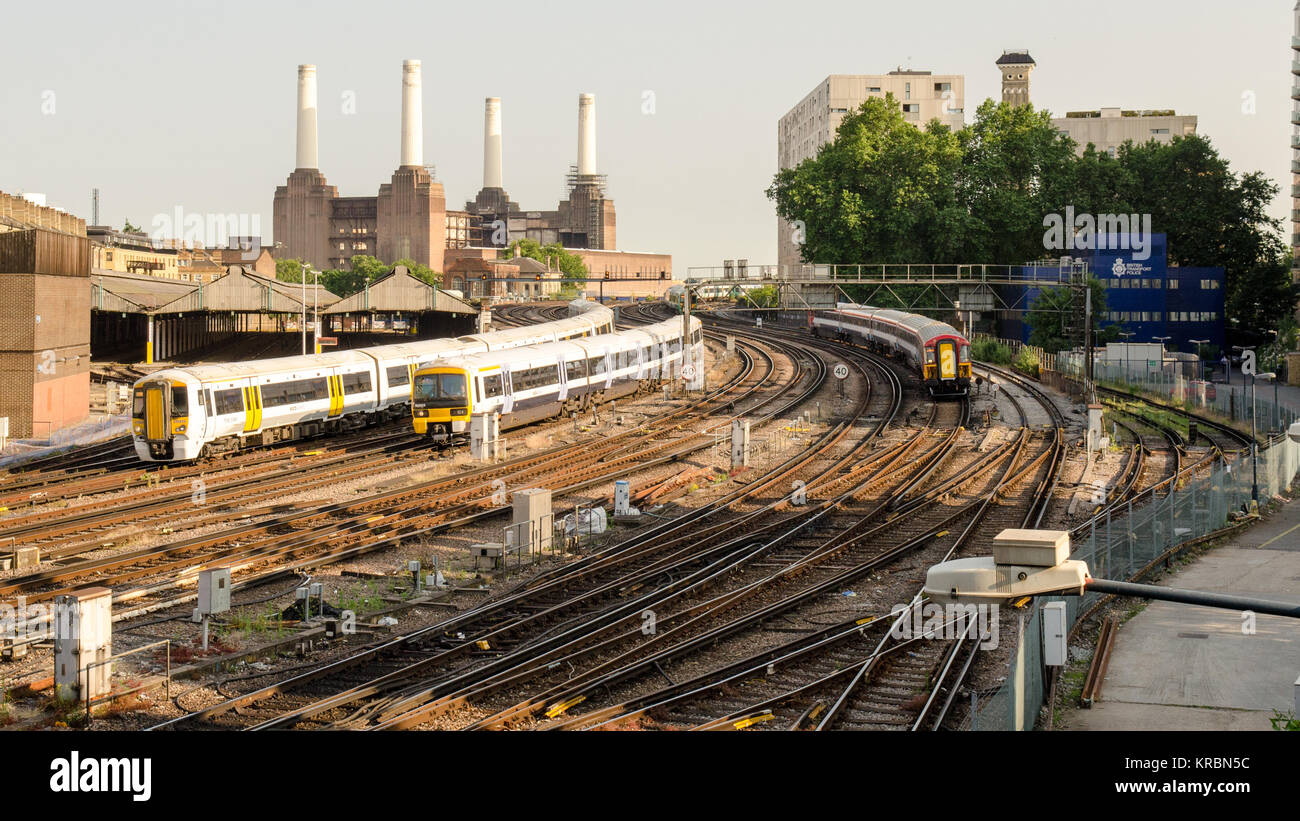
{"x":1254,"y":447}
{"x":1220,"y":600}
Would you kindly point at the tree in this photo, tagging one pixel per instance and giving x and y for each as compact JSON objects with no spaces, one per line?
{"x":1049,"y":311}
{"x":1016,"y":168}
{"x":762,"y":297}
{"x":553,"y":254}
{"x":881,"y":191}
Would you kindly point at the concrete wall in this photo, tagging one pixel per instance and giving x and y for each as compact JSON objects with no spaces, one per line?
{"x":1110,"y":130}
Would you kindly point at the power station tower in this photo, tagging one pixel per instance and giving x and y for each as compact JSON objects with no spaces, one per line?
{"x":1015,"y":66}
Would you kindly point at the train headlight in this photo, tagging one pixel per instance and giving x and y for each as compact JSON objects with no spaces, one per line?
{"x":138,"y":427}
{"x":180,"y":428}
{"x":421,"y":413}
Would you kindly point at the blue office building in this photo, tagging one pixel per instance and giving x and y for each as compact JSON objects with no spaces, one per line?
{"x":1146,"y":297}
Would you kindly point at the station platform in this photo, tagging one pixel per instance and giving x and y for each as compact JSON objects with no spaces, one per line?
{"x":1183,"y":667}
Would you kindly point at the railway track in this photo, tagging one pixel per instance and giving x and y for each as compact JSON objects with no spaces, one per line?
{"x":641,"y":563}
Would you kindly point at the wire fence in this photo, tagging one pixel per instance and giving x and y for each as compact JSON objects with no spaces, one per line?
{"x":1124,"y":543}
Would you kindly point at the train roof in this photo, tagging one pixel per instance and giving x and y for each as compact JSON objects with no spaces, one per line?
{"x":926,"y":327}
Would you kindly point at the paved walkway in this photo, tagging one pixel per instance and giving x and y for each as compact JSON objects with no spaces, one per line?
{"x":1182,"y":667}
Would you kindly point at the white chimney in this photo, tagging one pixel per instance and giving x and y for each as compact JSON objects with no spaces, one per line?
{"x":306,"y":155}
{"x":586,"y":134}
{"x":492,"y":143}
{"x":412,"y":128}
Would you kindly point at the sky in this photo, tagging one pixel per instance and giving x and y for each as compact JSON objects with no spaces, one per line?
{"x":191,"y":106}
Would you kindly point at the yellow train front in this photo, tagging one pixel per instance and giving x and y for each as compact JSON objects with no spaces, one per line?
{"x":440,"y":401}
{"x":946,"y":370}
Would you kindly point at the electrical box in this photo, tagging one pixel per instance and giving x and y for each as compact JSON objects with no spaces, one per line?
{"x":83,"y":644}
{"x":1054,"y":633}
{"x":214,"y":591}
{"x":1033,"y":548}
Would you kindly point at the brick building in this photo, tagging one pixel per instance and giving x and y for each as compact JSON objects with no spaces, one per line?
{"x":44,"y":320}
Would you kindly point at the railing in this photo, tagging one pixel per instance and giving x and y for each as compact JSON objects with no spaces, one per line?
{"x":1127,"y":542}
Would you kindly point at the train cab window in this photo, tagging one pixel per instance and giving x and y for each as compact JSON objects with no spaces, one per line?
{"x":492,"y":385}
{"x":929,"y":355}
{"x":229,"y":401}
{"x":431,"y":386}
{"x":963,"y":354}
{"x":398,"y":375}
{"x":356,"y":383}
{"x":698,"y":336}
{"x":575,"y":369}
{"x":180,"y":401}
{"x":137,"y":404}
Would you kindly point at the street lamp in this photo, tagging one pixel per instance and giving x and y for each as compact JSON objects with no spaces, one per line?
{"x":1254,"y":443}
{"x":1127,"y":370}
{"x":1162,"y":340}
{"x":1198,"y":343}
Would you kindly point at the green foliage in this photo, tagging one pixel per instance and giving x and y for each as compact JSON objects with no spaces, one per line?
{"x":1048,"y":313}
{"x":1027,"y":361}
{"x":362,"y":270}
{"x":1284,"y":721}
{"x":886,"y":191}
{"x":764,"y":297}
{"x":555,"y":255}
{"x":987,"y":350}
{"x":883,"y":191}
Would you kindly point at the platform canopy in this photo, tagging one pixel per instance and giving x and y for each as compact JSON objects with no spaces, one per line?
{"x":399,"y":292}
{"x":239,"y":290}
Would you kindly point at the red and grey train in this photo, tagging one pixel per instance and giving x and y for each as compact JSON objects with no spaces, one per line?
{"x":939,"y":354}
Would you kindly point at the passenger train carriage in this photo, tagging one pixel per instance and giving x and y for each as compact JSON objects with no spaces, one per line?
{"x":544,"y":381}
{"x":939,"y":354}
{"x":186,"y":413}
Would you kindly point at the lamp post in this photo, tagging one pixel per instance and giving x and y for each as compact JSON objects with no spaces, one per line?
{"x":1162,"y":340}
{"x":1254,"y":443}
{"x":302,"y":274}
{"x":1198,"y":343}
{"x":1127,"y":370}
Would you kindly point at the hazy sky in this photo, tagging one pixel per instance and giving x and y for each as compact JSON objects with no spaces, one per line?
{"x":191,"y":105}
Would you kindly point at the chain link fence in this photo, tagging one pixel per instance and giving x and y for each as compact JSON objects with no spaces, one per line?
{"x":1125,"y":542}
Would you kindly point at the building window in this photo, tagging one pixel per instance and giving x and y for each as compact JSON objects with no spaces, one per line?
{"x":907,"y":91}
{"x":1159,"y":131}
{"x":1173,"y":285}
{"x":873,"y":90}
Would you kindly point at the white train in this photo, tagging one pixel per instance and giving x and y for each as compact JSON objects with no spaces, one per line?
{"x":936,"y":351}
{"x":181,"y":414}
{"x":544,"y":381}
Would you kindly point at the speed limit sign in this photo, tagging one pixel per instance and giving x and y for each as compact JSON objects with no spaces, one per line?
{"x":688,"y":371}
{"x":841,"y":371}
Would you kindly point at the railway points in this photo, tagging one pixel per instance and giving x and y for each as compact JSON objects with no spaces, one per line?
{"x":759,"y":592}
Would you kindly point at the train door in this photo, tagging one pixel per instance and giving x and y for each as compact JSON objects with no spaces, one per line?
{"x":151,"y":403}
{"x":507,"y":391}
{"x":564,"y":378}
{"x":946,"y":354}
{"x":609,"y":369}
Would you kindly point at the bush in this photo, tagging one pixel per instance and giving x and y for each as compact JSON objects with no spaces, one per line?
{"x":995,"y":353}
{"x":1027,"y":362}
